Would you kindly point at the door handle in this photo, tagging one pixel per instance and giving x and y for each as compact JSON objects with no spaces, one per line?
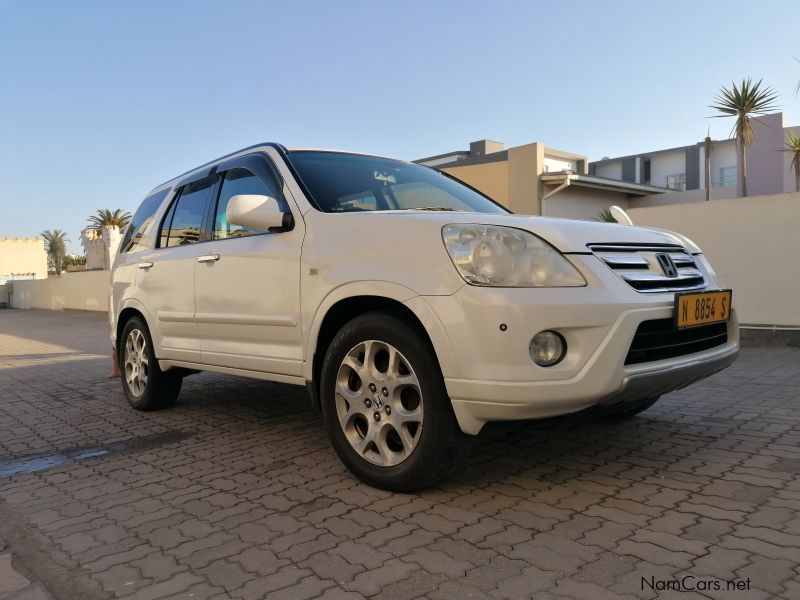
{"x":145,"y":265}
{"x":208,"y":258}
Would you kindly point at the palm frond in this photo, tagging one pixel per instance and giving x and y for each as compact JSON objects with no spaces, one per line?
{"x":107,"y":218}
{"x":797,"y":87}
{"x":54,"y":236}
{"x":792,"y":145}
{"x":605,"y":216}
{"x":744,"y":101}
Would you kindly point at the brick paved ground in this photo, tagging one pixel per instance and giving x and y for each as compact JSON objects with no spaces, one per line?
{"x":236,"y":492}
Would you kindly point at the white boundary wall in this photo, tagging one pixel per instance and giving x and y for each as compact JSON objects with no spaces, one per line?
{"x":753,"y":244}
{"x":80,"y":290}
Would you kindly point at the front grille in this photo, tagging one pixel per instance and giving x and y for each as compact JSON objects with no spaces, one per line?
{"x":638,"y":266}
{"x":659,"y":339}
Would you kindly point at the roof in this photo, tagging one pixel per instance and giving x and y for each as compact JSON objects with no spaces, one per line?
{"x":565,"y":178}
{"x":279,"y":147}
{"x":498,"y":156}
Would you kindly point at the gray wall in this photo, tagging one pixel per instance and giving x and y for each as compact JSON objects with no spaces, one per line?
{"x":764,"y":157}
{"x":629,"y":169}
{"x":693,"y":168}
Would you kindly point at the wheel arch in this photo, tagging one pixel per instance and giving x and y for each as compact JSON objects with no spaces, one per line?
{"x":334,"y":314}
{"x":132,"y":308}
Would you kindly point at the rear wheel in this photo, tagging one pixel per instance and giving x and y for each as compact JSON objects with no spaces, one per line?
{"x":385,"y":406}
{"x":145,"y":385}
{"x":631,"y":409}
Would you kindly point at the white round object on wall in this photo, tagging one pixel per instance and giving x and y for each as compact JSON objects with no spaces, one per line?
{"x":620,"y":215}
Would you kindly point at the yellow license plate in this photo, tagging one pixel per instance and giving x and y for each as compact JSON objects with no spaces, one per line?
{"x":702,"y":308}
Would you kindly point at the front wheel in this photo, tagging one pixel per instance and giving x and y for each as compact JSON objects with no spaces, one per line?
{"x":385,"y":406}
{"x":145,"y":385}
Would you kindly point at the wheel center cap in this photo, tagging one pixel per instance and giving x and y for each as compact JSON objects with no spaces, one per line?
{"x":377,"y":401}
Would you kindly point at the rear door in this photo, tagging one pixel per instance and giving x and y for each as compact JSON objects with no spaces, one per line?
{"x":166,"y":274}
{"x":248,"y":280}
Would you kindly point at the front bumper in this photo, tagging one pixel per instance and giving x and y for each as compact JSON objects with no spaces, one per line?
{"x":489,"y":374}
{"x":476,"y":403}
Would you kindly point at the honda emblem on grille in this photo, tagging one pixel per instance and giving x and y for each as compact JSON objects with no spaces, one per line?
{"x":667,"y":265}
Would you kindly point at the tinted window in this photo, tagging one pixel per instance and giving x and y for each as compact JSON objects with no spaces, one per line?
{"x":341,"y":182}
{"x":165,"y":225}
{"x":140,"y":221}
{"x":187,"y":220}
{"x":241,"y":181}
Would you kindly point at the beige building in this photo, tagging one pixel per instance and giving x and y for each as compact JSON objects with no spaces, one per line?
{"x":537,"y":180}
{"x":22,"y":258}
{"x":100,"y":246}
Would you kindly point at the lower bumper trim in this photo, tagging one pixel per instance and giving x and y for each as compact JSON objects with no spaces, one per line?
{"x":650,"y":384}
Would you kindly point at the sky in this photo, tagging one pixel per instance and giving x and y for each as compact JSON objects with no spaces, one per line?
{"x":100,"y":101}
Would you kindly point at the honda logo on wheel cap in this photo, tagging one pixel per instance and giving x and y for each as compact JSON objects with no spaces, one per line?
{"x":667,"y":265}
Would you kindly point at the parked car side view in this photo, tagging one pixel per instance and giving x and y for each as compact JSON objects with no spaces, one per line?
{"x":414,"y":308}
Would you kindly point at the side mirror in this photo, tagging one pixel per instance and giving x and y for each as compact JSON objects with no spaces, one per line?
{"x":261,"y":212}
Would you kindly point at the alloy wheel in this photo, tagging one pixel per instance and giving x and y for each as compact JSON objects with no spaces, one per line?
{"x":136,"y":361}
{"x":379,"y":403}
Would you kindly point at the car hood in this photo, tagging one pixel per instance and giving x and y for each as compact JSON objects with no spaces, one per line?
{"x":567,"y":235}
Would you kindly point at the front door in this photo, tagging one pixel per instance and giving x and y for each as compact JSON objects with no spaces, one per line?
{"x":248,"y":280}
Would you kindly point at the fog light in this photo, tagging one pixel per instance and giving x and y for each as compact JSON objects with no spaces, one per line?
{"x":547,"y":348}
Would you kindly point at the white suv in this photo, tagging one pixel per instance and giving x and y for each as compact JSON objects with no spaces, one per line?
{"x":414,"y":308}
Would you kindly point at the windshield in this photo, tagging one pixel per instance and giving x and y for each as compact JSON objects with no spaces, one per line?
{"x":341,"y":182}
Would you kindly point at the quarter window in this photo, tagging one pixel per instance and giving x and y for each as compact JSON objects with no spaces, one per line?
{"x":185,"y":218}
{"x":142,"y":218}
{"x":164,"y":237}
{"x":241,"y":181}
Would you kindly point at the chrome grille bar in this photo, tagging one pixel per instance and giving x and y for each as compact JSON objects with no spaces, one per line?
{"x":639,"y":267}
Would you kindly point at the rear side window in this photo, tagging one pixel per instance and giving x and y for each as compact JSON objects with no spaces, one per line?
{"x":185,"y":218}
{"x":140,"y":221}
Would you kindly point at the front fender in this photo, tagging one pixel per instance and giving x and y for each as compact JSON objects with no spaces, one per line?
{"x":384,"y":289}
{"x":392,"y":291}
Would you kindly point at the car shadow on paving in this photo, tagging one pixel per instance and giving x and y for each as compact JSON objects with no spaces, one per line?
{"x":236,"y":492}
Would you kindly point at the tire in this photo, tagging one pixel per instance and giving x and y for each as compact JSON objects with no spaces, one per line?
{"x":631,"y":409}
{"x":415,"y":440}
{"x":145,"y":385}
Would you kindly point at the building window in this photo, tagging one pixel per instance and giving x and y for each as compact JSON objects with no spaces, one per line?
{"x":676,"y":182}
{"x":727,"y":177}
{"x":646,"y":179}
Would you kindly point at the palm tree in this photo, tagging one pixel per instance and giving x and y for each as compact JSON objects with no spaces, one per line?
{"x":105,"y":218}
{"x":56,"y":248}
{"x":792,"y":145}
{"x":744,"y":102}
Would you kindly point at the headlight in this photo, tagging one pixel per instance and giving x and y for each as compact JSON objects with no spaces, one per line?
{"x":494,"y":255}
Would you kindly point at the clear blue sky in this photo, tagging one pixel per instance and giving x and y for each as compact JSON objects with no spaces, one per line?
{"x":101,"y":101}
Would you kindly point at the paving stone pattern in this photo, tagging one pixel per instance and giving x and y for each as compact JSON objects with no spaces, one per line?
{"x":236,"y":492}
